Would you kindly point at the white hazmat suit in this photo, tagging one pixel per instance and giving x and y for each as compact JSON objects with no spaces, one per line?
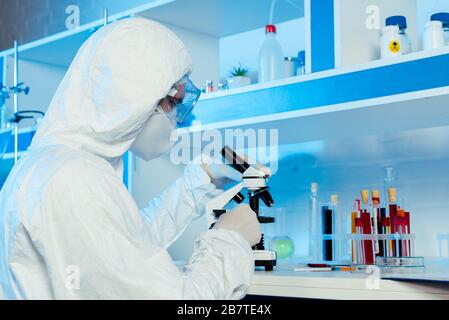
{"x":69,"y":229}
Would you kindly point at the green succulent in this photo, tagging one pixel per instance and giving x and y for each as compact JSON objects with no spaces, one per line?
{"x":239,"y":72}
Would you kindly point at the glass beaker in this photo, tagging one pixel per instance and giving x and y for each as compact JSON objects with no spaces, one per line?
{"x":281,"y":243}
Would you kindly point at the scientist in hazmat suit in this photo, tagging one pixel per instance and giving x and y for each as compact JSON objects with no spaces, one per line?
{"x":69,"y":229}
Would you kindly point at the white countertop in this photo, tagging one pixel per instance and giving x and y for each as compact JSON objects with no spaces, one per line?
{"x":284,"y":282}
{"x":341,"y":285}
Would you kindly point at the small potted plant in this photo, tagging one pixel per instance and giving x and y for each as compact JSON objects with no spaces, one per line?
{"x":238,"y":78}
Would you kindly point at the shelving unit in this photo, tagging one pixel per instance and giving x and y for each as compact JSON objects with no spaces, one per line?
{"x":61,"y":48}
{"x":223,"y":18}
{"x":7,"y":161}
{"x":308,"y":108}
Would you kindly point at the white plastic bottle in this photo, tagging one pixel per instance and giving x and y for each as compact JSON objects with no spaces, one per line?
{"x":401,"y":22}
{"x":444,"y":18}
{"x":271,"y":57}
{"x":433,"y":35}
{"x":392,"y":45}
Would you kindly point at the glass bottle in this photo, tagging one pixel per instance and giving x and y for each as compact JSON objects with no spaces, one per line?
{"x":281,"y":243}
{"x":315,"y":225}
{"x":401,"y":22}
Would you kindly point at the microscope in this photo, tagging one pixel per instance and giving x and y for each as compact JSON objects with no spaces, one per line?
{"x":254,"y":181}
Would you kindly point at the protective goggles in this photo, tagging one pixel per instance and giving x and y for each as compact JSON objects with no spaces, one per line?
{"x":182,"y":110}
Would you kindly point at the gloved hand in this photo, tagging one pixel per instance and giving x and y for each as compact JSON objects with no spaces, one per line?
{"x":242,"y":220}
{"x":219,"y":173}
{"x":222,"y":174}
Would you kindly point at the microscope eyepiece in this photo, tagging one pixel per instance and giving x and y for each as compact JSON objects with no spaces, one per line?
{"x":260,"y":191}
{"x":235,"y":161}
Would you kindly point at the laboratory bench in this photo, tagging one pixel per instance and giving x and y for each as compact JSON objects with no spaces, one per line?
{"x":283,"y":282}
{"x":343,"y":286}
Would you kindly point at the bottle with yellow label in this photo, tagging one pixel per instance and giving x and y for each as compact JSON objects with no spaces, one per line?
{"x":392,"y":44}
{"x":401,"y":22}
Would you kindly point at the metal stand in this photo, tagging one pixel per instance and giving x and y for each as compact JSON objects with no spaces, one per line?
{"x":105,"y":16}
{"x":16,"y":101}
{"x":15,"y":90}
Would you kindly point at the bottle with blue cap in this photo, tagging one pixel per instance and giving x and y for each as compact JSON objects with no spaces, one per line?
{"x":433,"y":35}
{"x":401,"y":23}
{"x":391,"y":42}
{"x":443,"y":17}
{"x":301,"y":63}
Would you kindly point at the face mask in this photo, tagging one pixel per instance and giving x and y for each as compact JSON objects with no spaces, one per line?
{"x":154,"y":140}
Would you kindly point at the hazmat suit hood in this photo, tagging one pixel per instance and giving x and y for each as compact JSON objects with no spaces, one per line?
{"x":113,"y":86}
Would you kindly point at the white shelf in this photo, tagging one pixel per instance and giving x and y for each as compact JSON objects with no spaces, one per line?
{"x":386,"y":115}
{"x":221,"y":18}
{"x":341,"y":286}
{"x":380,"y":97}
{"x":60,"y":49}
{"x":216,"y":18}
{"x":418,"y":55}
{"x":58,"y":53}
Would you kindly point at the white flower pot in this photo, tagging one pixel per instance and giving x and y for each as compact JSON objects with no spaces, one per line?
{"x":237,"y":82}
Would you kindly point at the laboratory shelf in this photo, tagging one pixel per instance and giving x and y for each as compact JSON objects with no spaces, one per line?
{"x":7,"y":159}
{"x":215,"y":18}
{"x":25,"y":137}
{"x":6,"y":166}
{"x":218,"y":18}
{"x":410,"y":92}
{"x":430,"y":145}
{"x":58,"y":50}
{"x":342,"y":286}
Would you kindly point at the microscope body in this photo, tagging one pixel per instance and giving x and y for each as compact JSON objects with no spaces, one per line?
{"x":254,"y":182}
